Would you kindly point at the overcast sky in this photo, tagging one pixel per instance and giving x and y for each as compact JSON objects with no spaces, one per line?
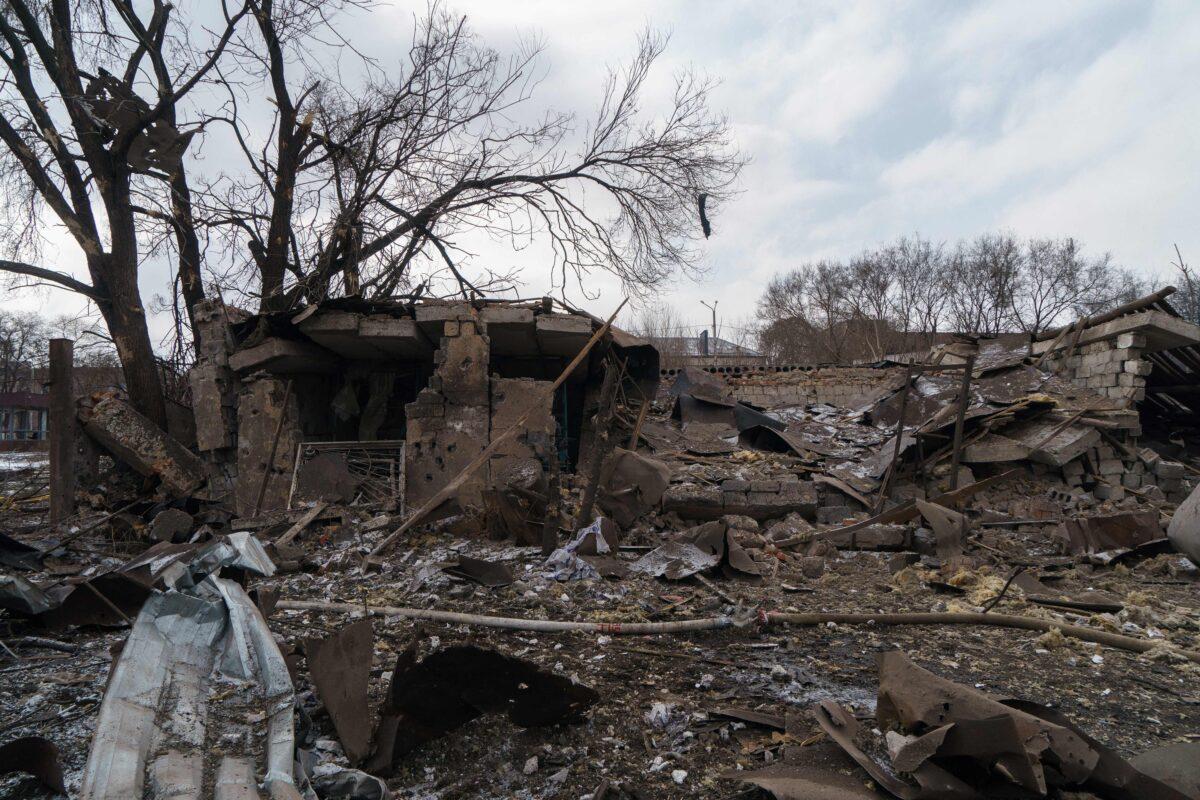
{"x":868,"y":120}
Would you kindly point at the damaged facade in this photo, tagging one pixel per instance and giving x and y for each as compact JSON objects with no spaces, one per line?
{"x":442,"y":377}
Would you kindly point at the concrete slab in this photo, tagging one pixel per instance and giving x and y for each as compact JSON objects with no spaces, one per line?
{"x":512,"y":330}
{"x":1161,"y":330}
{"x":284,"y":356}
{"x":338,"y":331}
{"x":563,"y":334}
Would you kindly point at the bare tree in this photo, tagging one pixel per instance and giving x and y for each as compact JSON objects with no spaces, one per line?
{"x":869,"y":288}
{"x":23,"y":337}
{"x":898,"y":297}
{"x":920,"y":287}
{"x":1187,"y":299}
{"x":375,"y":190}
{"x":804,"y":313}
{"x":663,"y":327}
{"x":1056,"y":279}
{"x":82,"y":143}
{"x":983,"y":277}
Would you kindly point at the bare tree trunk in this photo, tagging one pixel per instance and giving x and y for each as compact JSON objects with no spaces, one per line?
{"x":124,"y":314}
{"x":188,"y":244}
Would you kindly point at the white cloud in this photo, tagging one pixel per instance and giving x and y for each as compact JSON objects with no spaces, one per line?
{"x":868,"y":120}
{"x":1003,"y":27}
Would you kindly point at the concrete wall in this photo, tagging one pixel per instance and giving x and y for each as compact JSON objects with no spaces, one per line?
{"x":456,"y":416}
{"x":845,"y":387}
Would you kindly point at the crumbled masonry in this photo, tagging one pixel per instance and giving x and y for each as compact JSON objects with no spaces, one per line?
{"x":502,"y":549}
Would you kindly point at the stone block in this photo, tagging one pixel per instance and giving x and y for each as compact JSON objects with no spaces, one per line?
{"x":1131,"y":340}
{"x":1139,"y":367}
{"x":1169,"y":469}
{"x":833,"y":515}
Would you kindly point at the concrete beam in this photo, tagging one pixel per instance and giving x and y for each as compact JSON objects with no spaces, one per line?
{"x":374,"y":337}
{"x":511,"y":330}
{"x":1162,"y":331}
{"x":432,"y":317}
{"x":396,"y":338}
{"x":284,"y":356}
{"x":563,"y":334}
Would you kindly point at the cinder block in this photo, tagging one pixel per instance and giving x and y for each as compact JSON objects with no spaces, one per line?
{"x":1137,"y":340}
{"x":1139,"y":367}
{"x":1169,"y":469}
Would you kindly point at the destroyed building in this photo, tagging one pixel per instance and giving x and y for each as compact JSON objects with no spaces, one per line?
{"x":420,"y":388}
{"x":451,"y":549}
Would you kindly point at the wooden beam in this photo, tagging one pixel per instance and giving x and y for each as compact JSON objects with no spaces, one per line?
{"x":964,"y":397}
{"x":62,"y":430}
{"x":301,"y":524}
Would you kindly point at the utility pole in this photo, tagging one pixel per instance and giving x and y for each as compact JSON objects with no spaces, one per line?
{"x":712,"y":308}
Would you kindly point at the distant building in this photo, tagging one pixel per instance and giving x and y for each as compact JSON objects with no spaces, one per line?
{"x":25,"y":411}
{"x":704,"y":350}
{"x":24,"y":419}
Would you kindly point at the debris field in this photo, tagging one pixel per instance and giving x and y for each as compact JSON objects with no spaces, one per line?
{"x":497,"y":549}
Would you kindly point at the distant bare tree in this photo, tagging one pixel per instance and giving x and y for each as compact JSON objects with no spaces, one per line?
{"x":897,"y":298}
{"x":1056,"y":278}
{"x":23,"y":337}
{"x":869,"y":288}
{"x":802,"y":312}
{"x":374,"y":189}
{"x":920,"y":295}
{"x":983,"y":277}
{"x":1187,"y":299}
{"x":662,"y":326}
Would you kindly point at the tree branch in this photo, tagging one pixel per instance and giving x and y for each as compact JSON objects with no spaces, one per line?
{"x":61,"y":278}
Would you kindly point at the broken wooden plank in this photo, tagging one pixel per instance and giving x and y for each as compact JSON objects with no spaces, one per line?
{"x":301,"y":524}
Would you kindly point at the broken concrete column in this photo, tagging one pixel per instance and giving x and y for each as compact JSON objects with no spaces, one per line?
{"x":449,"y":422}
{"x":214,"y":394}
{"x":214,"y":404}
{"x":519,"y":460}
{"x":260,"y":406}
{"x":138,"y":442}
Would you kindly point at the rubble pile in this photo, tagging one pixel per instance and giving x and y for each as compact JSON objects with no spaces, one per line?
{"x":445,"y":550}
